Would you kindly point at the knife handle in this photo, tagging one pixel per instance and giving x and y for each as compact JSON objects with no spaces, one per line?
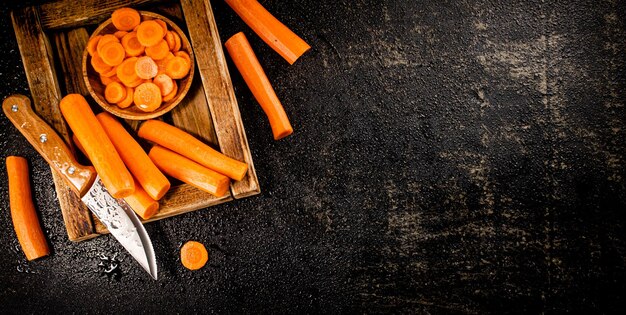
{"x":48,"y":143}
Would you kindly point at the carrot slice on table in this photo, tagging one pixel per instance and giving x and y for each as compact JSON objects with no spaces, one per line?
{"x":183,"y":54}
{"x":169,"y":38}
{"x":193,"y":255}
{"x":187,"y":145}
{"x":108,"y":80}
{"x":125,"y":19}
{"x":132,"y":45}
{"x":126,"y":102}
{"x":177,"y":67}
{"x":169,"y":97}
{"x":25,"y":220}
{"x":126,"y":71}
{"x":188,"y":171}
{"x":112,"y":171}
{"x":115,"y":92}
{"x":146,"y":68}
{"x":92,"y":44}
{"x":246,"y":62}
{"x":271,"y":30}
{"x":135,"y":158}
{"x":108,"y":38}
{"x":110,"y":73}
{"x":165,"y":83}
{"x":150,"y":33}
{"x":98,"y":64}
{"x":163,"y":25}
{"x":112,"y":53}
{"x":147,"y":97}
{"x":158,"y":51}
{"x":120,"y":34}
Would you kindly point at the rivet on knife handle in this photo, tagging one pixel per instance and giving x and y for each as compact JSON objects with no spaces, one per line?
{"x":48,"y":143}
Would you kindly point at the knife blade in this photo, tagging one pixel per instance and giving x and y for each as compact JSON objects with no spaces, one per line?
{"x":115,"y":214}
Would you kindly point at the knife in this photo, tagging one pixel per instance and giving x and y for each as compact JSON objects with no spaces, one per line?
{"x":115,"y":214}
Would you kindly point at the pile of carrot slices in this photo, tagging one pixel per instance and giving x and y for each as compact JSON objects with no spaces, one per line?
{"x":140,"y":63}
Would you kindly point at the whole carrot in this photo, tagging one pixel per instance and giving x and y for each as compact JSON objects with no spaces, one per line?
{"x":25,"y":220}
{"x":272,"y":31}
{"x":248,"y":65}
{"x":112,"y":171}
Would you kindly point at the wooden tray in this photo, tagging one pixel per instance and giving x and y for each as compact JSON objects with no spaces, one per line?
{"x":51,"y":38}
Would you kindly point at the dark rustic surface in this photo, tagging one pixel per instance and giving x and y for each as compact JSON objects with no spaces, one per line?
{"x":448,"y":156}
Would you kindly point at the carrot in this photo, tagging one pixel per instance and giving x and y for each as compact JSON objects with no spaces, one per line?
{"x":132,"y":45}
{"x":98,"y":64}
{"x":135,"y":158}
{"x":163,"y":25}
{"x":188,"y":171}
{"x":134,"y":84}
{"x":108,"y":80}
{"x":108,"y":38}
{"x":25,"y":220}
{"x":113,"y":53}
{"x":126,"y":102}
{"x":183,"y":54}
{"x":165,"y":84}
{"x":115,"y":92}
{"x":161,"y":63}
{"x":248,"y":65}
{"x":158,"y":51}
{"x":107,"y":162}
{"x":92,"y":44}
{"x":125,"y":19}
{"x":271,"y":30}
{"x":187,"y":145}
{"x":146,"y":68}
{"x":169,"y":38}
{"x":126,"y":71}
{"x":120,"y":34}
{"x":150,"y":33}
{"x":177,"y":42}
{"x":139,"y":200}
{"x":193,"y":255}
{"x":177,"y":67}
{"x":147,"y":97}
{"x":111,"y":72}
{"x":169,"y":97}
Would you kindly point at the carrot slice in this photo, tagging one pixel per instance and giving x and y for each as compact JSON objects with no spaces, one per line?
{"x":188,"y":171}
{"x":126,"y":71}
{"x":169,"y":38}
{"x":126,"y":102}
{"x":165,"y":83}
{"x":147,"y":97}
{"x":134,"y":84}
{"x":158,"y":51}
{"x":183,"y":54}
{"x":187,"y":145}
{"x":271,"y":30}
{"x":108,"y":80}
{"x":125,"y":19}
{"x":161,"y":63}
{"x":120,"y":34}
{"x":25,"y":220}
{"x":132,"y":45}
{"x":109,"y":166}
{"x":193,"y":255}
{"x":108,"y":38}
{"x":135,"y":158}
{"x":110,"y":73}
{"x":172,"y":94}
{"x":98,"y":64}
{"x":177,"y":67}
{"x":113,"y":54}
{"x":163,"y":25}
{"x":248,"y":65}
{"x":115,"y":92}
{"x":150,"y":33}
{"x":146,"y":68}
{"x":92,"y":44}
{"x":177,"y":42}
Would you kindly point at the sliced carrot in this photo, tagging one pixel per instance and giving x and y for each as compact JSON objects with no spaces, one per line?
{"x":135,"y":28}
{"x":172,"y":94}
{"x":125,"y":19}
{"x":271,"y":30}
{"x":248,"y":65}
{"x":147,"y":97}
{"x":165,"y":83}
{"x":126,"y":71}
{"x":169,"y":38}
{"x":183,"y":54}
{"x":126,"y":102}
{"x":193,"y":255}
{"x":113,"y":54}
{"x":134,"y":83}
{"x":135,"y":158}
{"x":25,"y":220}
{"x":161,"y":63}
{"x":177,"y":42}
{"x":150,"y":33}
{"x":132,"y":45}
{"x":99,"y":65}
{"x":187,"y":145}
{"x":188,"y":171}
{"x":158,"y":51}
{"x":146,"y":68}
{"x":109,"y":166}
{"x":115,"y":92}
{"x":120,"y":34}
{"x":110,"y":73}
{"x":108,"y":80}
{"x":92,"y":44}
{"x":177,"y":67}
{"x":163,"y":25}
{"x":108,"y":38}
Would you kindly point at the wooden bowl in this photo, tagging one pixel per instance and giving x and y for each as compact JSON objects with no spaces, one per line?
{"x":96,"y":88}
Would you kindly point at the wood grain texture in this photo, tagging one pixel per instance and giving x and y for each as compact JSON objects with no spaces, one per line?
{"x":219,"y":91}
{"x":69,"y":47}
{"x":37,"y":58}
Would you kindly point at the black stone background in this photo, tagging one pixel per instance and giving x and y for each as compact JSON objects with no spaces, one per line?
{"x":448,"y":156}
